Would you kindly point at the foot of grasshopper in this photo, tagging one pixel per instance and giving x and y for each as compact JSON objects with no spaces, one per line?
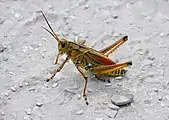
{"x":58,"y":70}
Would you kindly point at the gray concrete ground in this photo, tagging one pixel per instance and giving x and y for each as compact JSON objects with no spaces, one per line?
{"x":27,"y":55}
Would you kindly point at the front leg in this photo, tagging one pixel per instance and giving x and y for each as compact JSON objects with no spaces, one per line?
{"x":57,"y":70}
{"x":57,"y":58}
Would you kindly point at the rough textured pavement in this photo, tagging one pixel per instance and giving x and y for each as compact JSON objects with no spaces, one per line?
{"x":27,"y":55}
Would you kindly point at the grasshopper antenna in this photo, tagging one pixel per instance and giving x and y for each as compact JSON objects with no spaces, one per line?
{"x":52,"y":31}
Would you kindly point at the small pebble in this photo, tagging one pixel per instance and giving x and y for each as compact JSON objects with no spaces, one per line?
{"x":104,"y":102}
{"x":80,"y":112}
{"x":31,"y":89}
{"x":38,"y":10}
{"x":20,"y":84}
{"x":73,"y":17}
{"x":122,"y":99}
{"x":89,"y":90}
{"x":111,"y":114}
{"x":79,"y":96}
{"x":6,"y":94}
{"x":50,"y":6}
{"x":108,"y":85}
{"x":55,"y":85}
{"x":116,"y":35}
{"x":113,"y":107}
{"x":118,"y":78}
{"x":26,"y":83}
{"x":119,"y":84}
{"x":2,"y":20}
{"x":17,"y":15}
{"x":86,"y":6}
{"x":13,"y":89}
{"x":39,"y":104}
{"x":160,"y":98}
{"x":161,"y":34}
{"x":42,"y":55}
{"x":115,"y":16}
{"x":11,"y":73}
{"x":2,"y":48}
{"x":3,"y":113}
{"x":155,"y":90}
{"x":46,"y":85}
{"x":28,"y":111}
{"x":26,"y":117}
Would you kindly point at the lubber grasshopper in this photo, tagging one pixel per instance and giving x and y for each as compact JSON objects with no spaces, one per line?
{"x":89,"y":59}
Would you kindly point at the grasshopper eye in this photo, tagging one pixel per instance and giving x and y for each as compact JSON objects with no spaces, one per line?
{"x":63,"y":45}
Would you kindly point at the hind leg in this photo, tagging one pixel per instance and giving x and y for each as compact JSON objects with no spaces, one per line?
{"x":108,"y":50}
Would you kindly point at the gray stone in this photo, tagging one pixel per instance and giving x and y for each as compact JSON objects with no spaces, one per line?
{"x":39,"y":104}
{"x":2,"y":48}
{"x":13,"y":89}
{"x":28,"y":111}
{"x":113,"y":107}
{"x":3,"y":113}
{"x":80,"y":112}
{"x":118,"y":78}
{"x":55,"y":85}
{"x":111,"y":113}
{"x":108,"y":85}
{"x":2,"y":20}
{"x":122,"y":99}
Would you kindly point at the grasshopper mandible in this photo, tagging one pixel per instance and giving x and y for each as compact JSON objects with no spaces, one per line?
{"x":88,"y":59}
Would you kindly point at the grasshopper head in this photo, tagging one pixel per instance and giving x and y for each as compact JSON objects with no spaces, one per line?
{"x":62,"y":46}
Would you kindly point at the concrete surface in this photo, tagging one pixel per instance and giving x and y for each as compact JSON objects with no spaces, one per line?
{"x":28,"y":53}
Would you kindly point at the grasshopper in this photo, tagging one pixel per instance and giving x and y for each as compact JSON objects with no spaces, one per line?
{"x":88,"y":59}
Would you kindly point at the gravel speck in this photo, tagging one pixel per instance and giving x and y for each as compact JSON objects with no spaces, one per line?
{"x":156,"y":90}
{"x":86,"y":6}
{"x":160,"y":98}
{"x":2,"y":20}
{"x":39,"y":104}
{"x":26,"y":83}
{"x":80,"y":112}
{"x":6,"y":94}
{"x":79,"y":96}
{"x":113,"y":107}
{"x":17,"y":15}
{"x":13,"y":89}
{"x":28,"y":111}
{"x":111,"y":113}
{"x":2,"y":48}
{"x":108,"y":85}
{"x":3,"y":113}
{"x":55,"y":85}
{"x":162,"y":34}
{"x":118,"y":78}
{"x":104,"y":102}
{"x":26,"y":117}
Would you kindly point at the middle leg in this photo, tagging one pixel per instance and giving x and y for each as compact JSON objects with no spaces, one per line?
{"x":85,"y":86}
